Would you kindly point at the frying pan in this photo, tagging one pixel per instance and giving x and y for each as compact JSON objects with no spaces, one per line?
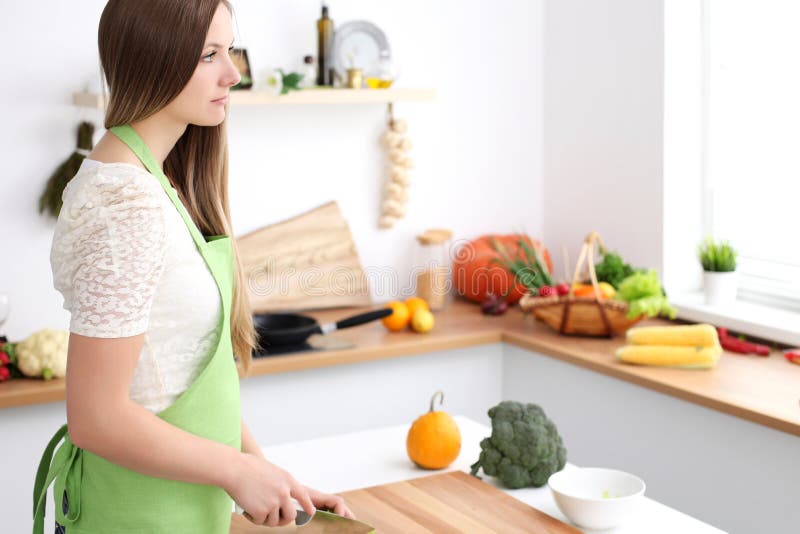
{"x":291,"y":328}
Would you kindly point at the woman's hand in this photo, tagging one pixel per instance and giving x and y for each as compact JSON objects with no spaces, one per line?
{"x":265,"y":492}
{"x":331,"y":503}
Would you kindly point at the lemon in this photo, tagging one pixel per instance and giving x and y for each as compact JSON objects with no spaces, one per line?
{"x":422,"y":321}
{"x":607,"y":289}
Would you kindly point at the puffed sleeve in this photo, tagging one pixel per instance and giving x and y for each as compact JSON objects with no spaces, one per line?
{"x":108,"y":250}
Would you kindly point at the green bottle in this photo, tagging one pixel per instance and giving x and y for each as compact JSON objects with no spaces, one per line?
{"x":324,"y":40}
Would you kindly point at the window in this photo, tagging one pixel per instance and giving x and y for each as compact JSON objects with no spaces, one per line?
{"x":751,"y":153}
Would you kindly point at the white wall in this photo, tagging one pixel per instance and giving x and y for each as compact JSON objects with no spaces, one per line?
{"x":603,"y":101}
{"x":477,"y":148}
{"x":483,"y":163}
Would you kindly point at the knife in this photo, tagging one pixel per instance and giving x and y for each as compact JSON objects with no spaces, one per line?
{"x":323,"y":521}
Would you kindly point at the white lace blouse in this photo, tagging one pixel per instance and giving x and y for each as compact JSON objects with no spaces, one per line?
{"x":125,"y":263}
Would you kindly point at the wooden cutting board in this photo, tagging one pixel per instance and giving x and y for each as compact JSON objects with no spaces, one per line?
{"x":452,"y":502}
{"x":242,"y":525}
{"x":306,"y":262}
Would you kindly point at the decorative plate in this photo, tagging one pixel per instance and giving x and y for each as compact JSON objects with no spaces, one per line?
{"x":357,"y":44}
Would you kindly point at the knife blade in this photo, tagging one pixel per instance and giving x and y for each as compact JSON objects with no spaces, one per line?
{"x":324,"y":522}
{"x":330,"y":523}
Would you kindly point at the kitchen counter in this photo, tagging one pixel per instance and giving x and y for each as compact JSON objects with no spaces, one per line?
{"x":685,"y":432}
{"x":355,"y":460}
{"x":762,"y":390}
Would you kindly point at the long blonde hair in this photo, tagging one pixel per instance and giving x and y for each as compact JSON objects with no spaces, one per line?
{"x":148,"y":52}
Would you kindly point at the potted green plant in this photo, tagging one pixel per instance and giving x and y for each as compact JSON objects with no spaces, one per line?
{"x":718,"y":259}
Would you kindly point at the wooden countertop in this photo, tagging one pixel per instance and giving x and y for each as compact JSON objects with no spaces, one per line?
{"x":762,"y":390}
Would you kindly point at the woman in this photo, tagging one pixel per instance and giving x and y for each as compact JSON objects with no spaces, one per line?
{"x":142,"y":255}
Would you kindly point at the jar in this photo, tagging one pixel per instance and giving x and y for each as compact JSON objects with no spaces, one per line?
{"x":382,"y":73}
{"x":354,"y":78}
{"x":432,"y":267}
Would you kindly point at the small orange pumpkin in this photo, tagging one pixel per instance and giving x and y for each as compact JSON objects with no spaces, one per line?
{"x":434,"y":440}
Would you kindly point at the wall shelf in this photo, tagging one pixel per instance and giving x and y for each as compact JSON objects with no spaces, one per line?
{"x":305,"y":96}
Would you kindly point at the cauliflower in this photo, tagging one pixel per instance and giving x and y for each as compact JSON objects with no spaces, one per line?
{"x":524,"y":448}
{"x":43,"y":353}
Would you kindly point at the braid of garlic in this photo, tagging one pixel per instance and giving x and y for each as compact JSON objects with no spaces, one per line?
{"x":397,"y":145}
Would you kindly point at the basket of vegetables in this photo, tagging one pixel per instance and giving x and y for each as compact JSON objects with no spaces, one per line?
{"x":605,"y":306}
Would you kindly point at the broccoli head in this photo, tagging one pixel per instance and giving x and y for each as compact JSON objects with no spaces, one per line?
{"x":524,"y":448}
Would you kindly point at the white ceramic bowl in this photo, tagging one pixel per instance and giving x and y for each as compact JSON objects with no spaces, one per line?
{"x":596,"y":498}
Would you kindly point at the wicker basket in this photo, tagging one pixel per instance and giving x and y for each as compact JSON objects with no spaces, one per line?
{"x":581,"y":316}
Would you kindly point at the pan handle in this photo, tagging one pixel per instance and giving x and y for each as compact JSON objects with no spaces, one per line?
{"x":362,"y":318}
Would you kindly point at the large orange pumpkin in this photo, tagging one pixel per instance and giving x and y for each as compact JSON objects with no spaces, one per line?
{"x":475,"y":277}
{"x":434,"y":440}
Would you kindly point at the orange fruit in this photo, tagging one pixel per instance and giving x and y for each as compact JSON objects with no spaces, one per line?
{"x":399,"y":318}
{"x":584,"y":291}
{"x":416,"y":303}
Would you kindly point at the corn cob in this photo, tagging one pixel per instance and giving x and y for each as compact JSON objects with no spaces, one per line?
{"x":703,"y":335}
{"x":671,"y":356}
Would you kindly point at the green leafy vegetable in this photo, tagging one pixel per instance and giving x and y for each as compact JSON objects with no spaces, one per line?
{"x":612,"y":269}
{"x":645,"y":296}
{"x":527,"y":266}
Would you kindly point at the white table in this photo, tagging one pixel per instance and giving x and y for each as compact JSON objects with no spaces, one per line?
{"x":360,"y":459}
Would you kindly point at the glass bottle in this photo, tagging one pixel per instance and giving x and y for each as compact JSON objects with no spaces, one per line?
{"x":309,"y":71}
{"x":432,"y":267}
{"x":324,"y":42}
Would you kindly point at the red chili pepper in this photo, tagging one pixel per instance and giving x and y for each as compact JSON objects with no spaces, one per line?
{"x":734,"y":344}
{"x":4,"y":358}
{"x":793,"y":355}
{"x":5,"y":374}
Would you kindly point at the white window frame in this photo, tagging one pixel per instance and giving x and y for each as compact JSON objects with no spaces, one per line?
{"x":760,"y":281}
{"x":686,"y":215}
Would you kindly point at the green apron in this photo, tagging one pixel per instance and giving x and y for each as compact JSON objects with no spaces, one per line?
{"x":107,"y":498}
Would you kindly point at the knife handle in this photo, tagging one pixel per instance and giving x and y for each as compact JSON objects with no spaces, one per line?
{"x":302,"y":516}
{"x":362,"y":318}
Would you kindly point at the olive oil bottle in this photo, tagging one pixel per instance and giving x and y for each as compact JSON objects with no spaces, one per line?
{"x":324,"y":41}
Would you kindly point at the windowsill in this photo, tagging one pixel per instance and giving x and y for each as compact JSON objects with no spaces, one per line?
{"x":744,"y":317}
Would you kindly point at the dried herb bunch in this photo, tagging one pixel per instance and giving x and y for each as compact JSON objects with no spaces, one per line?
{"x":51,"y":196}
